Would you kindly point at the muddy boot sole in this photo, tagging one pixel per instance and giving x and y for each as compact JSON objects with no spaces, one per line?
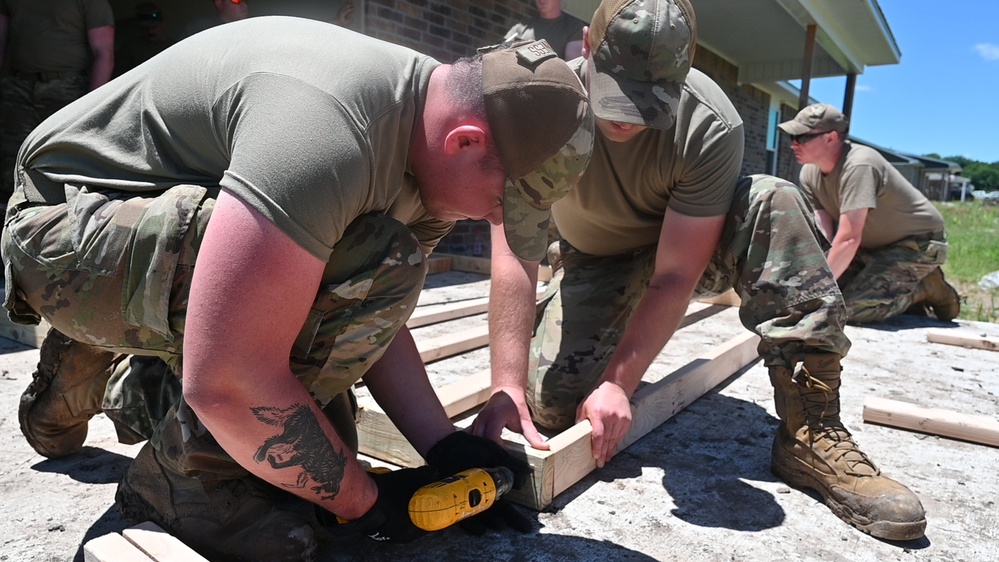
{"x":797,"y":474}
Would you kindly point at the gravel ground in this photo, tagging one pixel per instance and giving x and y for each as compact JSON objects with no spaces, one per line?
{"x":696,"y":489}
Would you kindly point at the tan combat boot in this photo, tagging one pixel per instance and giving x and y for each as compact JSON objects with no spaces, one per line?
{"x":813,"y":450}
{"x":935,"y":292}
{"x":240,"y":519}
{"x":65,"y":392}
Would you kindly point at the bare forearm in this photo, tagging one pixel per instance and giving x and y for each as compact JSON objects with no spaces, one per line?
{"x":844,"y":249}
{"x":656,"y":318}
{"x":512,"y":297}
{"x":398,"y":382}
{"x":277,"y":432}
{"x":101,"y":41}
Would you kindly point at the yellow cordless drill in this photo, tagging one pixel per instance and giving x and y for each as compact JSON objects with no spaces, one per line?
{"x":448,"y":501}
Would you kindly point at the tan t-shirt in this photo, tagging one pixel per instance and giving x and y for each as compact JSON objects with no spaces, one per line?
{"x":307,"y":122}
{"x":619,"y":204}
{"x":51,"y":35}
{"x":863,"y":179}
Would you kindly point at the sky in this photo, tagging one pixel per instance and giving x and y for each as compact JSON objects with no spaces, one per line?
{"x":943,"y":97}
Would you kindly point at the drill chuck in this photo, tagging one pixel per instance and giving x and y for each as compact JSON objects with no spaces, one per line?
{"x":448,"y":501}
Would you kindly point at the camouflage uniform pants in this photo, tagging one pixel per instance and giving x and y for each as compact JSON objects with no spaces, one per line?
{"x":115,"y":273}
{"x":881,"y":283}
{"x":770,"y":252}
{"x":24,"y":104}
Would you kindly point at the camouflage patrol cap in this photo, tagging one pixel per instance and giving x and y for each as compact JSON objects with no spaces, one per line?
{"x":540,"y":119}
{"x":641,"y":51}
{"x":816,"y":118}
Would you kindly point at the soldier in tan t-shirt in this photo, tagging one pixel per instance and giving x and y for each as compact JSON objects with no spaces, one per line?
{"x":659,"y":215}
{"x":888,"y":240}
{"x":260,"y":219}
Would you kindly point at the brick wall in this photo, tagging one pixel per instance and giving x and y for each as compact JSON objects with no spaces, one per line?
{"x":752,"y":104}
{"x":444,"y":30}
{"x":448,"y":30}
{"x":787,"y":166}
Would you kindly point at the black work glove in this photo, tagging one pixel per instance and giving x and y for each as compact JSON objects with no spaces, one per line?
{"x":462,"y":451}
{"x":388,"y":520}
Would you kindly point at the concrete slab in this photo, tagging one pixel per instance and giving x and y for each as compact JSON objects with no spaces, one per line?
{"x":696,"y":489}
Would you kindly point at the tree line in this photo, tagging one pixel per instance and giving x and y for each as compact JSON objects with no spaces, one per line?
{"x":983,"y":175}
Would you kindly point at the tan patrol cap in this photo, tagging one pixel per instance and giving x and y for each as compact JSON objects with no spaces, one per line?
{"x":816,"y":118}
{"x":540,"y":118}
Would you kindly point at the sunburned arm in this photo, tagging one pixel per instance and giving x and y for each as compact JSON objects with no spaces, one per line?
{"x":512,"y":296}
{"x":847,"y":240}
{"x":826,"y":224}
{"x":101,"y":41}
{"x":398,"y":382}
{"x":686,"y":245}
{"x":250,"y":296}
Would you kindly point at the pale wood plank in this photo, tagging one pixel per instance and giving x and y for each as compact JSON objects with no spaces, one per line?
{"x":965,"y":339}
{"x":935,"y":421}
{"x":379,"y":438}
{"x":438,"y":264}
{"x":453,"y":344}
{"x":569,"y":458}
{"x":465,"y":393}
{"x":160,"y":545}
{"x":112,"y":547}
{"x":652,"y":405}
{"x":437,"y":313}
{"x":470,"y":264}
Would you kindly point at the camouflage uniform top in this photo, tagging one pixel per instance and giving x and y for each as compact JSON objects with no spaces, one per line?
{"x":51,"y":35}
{"x":619,"y":204}
{"x":559,"y":32}
{"x":863,"y":179}
{"x":312,"y":130}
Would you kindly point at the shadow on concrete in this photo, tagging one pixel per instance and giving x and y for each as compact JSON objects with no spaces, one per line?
{"x":908,"y":322}
{"x":454,"y":545}
{"x":110,"y":521}
{"x":8,"y":345}
{"x":90,"y":465}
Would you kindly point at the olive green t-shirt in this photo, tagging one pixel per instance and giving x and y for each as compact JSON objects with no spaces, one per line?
{"x":618,"y":205}
{"x":51,"y":35}
{"x":307,"y":122}
{"x":863,"y":179}
{"x":559,"y":32}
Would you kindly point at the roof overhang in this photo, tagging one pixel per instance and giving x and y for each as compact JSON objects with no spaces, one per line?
{"x":765,"y":39}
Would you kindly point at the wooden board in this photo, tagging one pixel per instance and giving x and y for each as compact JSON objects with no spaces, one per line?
{"x":935,"y":421}
{"x":569,"y":458}
{"x":145,"y":542}
{"x":963,"y":338}
{"x":380,"y":438}
{"x":112,"y":547}
{"x":436,"y":313}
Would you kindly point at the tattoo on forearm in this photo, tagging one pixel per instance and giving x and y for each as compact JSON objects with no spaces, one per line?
{"x":302,"y":443}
